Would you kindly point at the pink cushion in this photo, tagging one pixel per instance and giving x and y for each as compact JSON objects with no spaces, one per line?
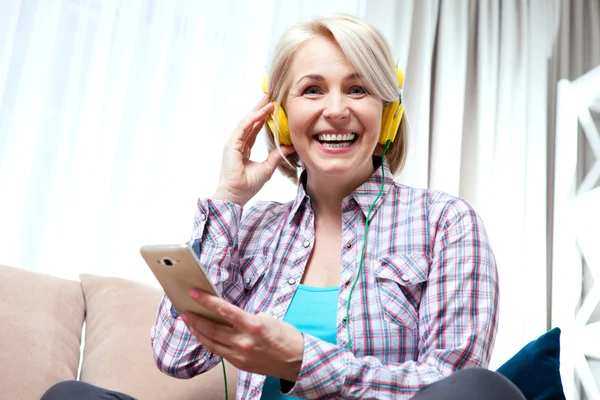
{"x":118,"y":354}
{"x":41,"y":318}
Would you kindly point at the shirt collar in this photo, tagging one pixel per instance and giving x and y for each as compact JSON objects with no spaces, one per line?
{"x":364,"y":195}
{"x":301,"y":197}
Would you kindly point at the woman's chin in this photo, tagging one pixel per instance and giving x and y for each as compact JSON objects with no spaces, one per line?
{"x":339,"y":171}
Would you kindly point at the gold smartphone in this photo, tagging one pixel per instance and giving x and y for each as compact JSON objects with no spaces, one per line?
{"x":178,"y":270}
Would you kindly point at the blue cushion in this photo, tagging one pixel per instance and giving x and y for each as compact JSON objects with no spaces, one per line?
{"x":535,"y":368}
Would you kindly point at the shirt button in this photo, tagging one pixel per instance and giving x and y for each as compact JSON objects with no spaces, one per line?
{"x":248,"y":280}
{"x":292,"y":281}
{"x":344,"y":320}
{"x":348,"y":245}
{"x":404,"y":278}
{"x":306,"y":243}
{"x":203,"y":217}
{"x":347,"y":282}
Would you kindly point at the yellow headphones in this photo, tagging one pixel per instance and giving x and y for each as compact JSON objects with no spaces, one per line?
{"x":392,"y":115}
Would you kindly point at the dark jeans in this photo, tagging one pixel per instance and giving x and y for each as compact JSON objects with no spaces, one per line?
{"x":76,"y":390}
{"x":471,"y":384}
{"x":468,"y":384}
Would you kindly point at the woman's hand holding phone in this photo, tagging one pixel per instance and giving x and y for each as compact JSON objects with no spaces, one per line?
{"x":240,"y":178}
{"x":255,"y":343}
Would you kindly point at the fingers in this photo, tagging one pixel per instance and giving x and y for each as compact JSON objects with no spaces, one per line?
{"x":209,"y":329}
{"x":251,"y":125}
{"x":275,"y":157}
{"x":212,"y":346}
{"x":261,"y":103}
{"x":231,"y":354}
{"x":230,"y":313}
{"x":244,"y":136}
{"x":287,"y":150}
{"x":256,"y":129}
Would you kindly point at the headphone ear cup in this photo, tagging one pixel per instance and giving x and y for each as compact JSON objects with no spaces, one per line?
{"x":283,"y":130}
{"x":390,"y":122}
{"x":392,"y":115}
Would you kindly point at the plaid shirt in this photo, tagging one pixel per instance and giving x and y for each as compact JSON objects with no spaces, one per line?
{"x":425,"y":305}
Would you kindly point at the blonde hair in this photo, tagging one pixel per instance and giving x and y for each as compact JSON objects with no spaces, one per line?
{"x":365,"y":49}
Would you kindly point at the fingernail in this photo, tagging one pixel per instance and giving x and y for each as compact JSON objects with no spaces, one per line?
{"x":194,"y":294}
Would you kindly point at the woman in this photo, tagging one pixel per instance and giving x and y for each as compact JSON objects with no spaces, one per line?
{"x":425,"y":301}
{"x":358,"y":288}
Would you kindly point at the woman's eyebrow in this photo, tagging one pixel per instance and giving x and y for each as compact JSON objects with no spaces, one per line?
{"x":354,"y":76}
{"x":321,"y":78}
{"x":314,"y":77}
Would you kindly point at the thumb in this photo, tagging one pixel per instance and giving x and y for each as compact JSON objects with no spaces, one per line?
{"x":276,"y":156}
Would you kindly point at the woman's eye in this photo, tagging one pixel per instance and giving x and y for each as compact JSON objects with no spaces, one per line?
{"x":312,"y":91}
{"x":357,"y":90}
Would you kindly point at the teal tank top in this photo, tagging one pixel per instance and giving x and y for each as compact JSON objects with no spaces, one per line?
{"x":313,"y":311}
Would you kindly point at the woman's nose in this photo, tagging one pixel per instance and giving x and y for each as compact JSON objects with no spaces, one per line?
{"x":335,"y":108}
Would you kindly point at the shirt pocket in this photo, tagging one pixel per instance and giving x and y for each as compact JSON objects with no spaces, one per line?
{"x":400,"y":281}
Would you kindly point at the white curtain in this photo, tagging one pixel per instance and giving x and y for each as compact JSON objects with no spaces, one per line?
{"x":113,"y":114}
{"x":112,"y":119}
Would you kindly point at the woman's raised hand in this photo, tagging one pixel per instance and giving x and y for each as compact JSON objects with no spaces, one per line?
{"x":240,"y":179}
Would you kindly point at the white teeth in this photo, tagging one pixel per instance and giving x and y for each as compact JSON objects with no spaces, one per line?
{"x":336,"y":138}
{"x":336,"y":145}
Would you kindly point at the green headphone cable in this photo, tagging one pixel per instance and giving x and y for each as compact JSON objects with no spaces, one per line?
{"x":225,"y":378}
{"x":364,"y":245}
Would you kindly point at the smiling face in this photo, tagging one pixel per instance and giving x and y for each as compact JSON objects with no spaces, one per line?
{"x":334,"y":121}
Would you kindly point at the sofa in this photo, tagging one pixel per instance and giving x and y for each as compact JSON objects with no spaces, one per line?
{"x":42,"y":330}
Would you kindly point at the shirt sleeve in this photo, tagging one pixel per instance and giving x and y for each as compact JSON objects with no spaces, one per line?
{"x":457,"y":321}
{"x":214,"y":239}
